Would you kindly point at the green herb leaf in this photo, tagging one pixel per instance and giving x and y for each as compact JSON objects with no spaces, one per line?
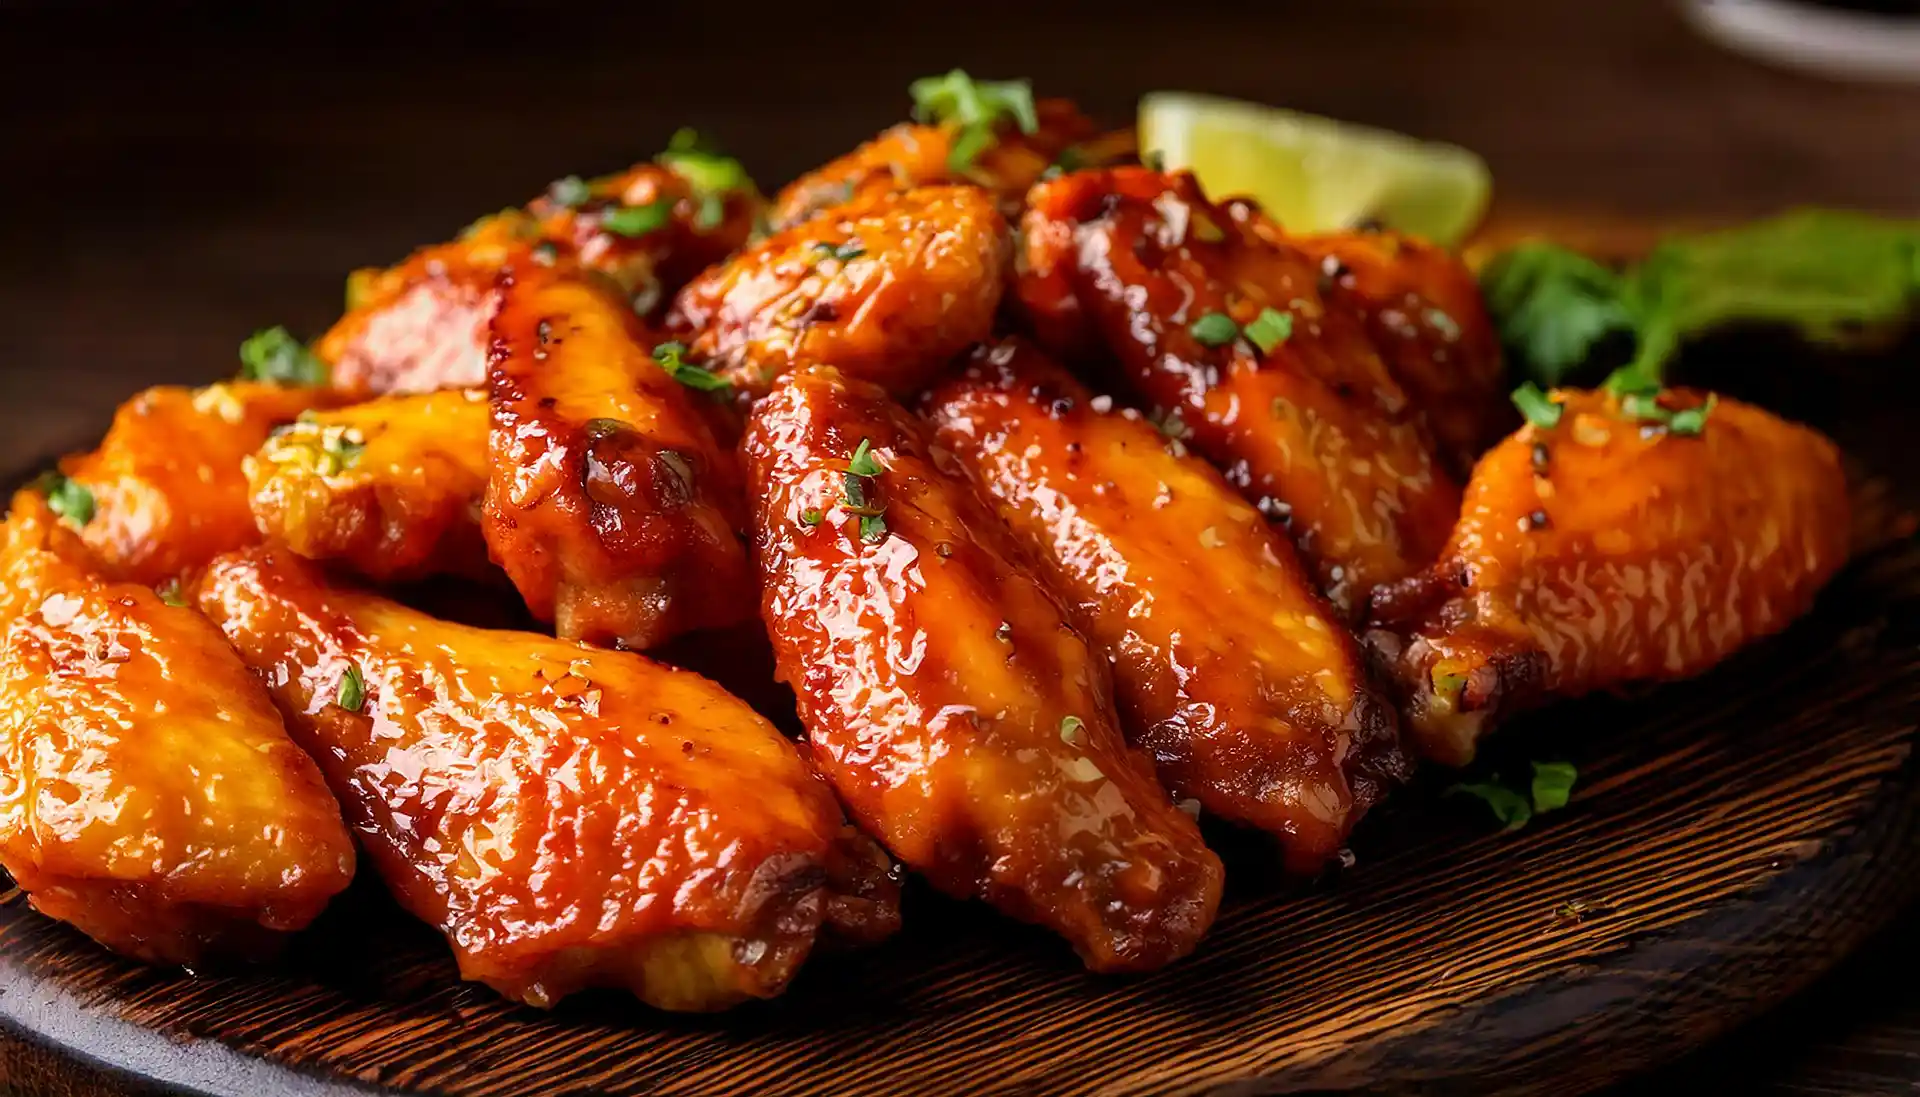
{"x":1270,"y":329}
{"x":273,"y":355}
{"x":1510,"y":807}
{"x":711,"y":174}
{"x":873,"y":528}
{"x":571,"y":192}
{"x":1551,"y":307}
{"x":1215,"y":329}
{"x":638,"y":220}
{"x":852,"y":249}
{"x":1070,"y":730}
{"x":340,"y":448}
{"x":960,"y":99}
{"x":1553,"y":785}
{"x":171,"y":594}
{"x":862,"y":463}
{"x":353,"y":690}
{"x":68,"y":498}
{"x":811,"y":517}
{"x":671,"y":357}
{"x":1690,"y":422}
{"x":1533,"y":404}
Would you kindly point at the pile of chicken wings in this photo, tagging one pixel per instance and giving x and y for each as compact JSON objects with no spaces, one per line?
{"x":1074,"y":503}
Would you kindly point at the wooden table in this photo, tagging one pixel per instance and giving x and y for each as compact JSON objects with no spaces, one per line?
{"x":175,"y":179}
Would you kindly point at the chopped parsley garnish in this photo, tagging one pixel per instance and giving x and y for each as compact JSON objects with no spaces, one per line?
{"x":811,"y":517}
{"x":638,"y":220}
{"x":711,"y":174}
{"x":852,"y":249}
{"x":171,"y":594}
{"x":1550,"y":790}
{"x":571,"y":192}
{"x":860,"y":470}
{"x":873,"y":528}
{"x":1639,"y":396}
{"x":1692,"y":421}
{"x":273,"y":355}
{"x":863,"y":463}
{"x":1215,"y":329}
{"x":68,"y":498}
{"x":1510,"y":807}
{"x":1553,"y":785}
{"x":1533,"y":404}
{"x":1270,"y":329}
{"x":671,"y":357}
{"x":340,"y":448}
{"x":353,"y":690}
{"x":1070,"y":730}
{"x":974,"y":107}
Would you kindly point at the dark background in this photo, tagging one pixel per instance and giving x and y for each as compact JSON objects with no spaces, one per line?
{"x":176,"y":176}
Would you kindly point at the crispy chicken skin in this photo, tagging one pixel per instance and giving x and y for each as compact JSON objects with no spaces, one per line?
{"x":568,"y":817}
{"x":912,"y":155}
{"x":149,"y":794}
{"x":1315,"y":431}
{"x":1423,"y":309}
{"x":611,"y":504}
{"x":1229,"y":667}
{"x":887,"y":288}
{"x":1603,"y":551}
{"x":962,"y":721}
{"x":389,"y":489}
{"x":167,"y":486}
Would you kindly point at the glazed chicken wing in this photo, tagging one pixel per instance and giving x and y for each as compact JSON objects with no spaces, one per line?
{"x":888,"y":289}
{"x":389,"y":489}
{"x":568,"y":817}
{"x":165,"y":491}
{"x":1230,"y":669}
{"x":611,"y":505}
{"x":962,"y":721}
{"x":149,"y":794}
{"x":1609,"y":548}
{"x":1227,"y":335}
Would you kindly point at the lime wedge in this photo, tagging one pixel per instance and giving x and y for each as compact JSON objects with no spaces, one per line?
{"x":1314,"y":174}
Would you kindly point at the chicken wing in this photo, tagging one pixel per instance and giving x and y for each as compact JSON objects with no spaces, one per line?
{"x":389,"y":489}
{"x":165,"y":491}
{"x":1228,"y":336}
{"x":149,"y":794}
{"x":568,"y":817}
{"x":1627,"y":541}
{"x":962,"y":721}
{"x":1230,"y":669}
{"x":611,"y":505}
{"x":888,"y":289}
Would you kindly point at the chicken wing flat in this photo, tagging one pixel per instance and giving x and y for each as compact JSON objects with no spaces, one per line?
{"x":568,"y":817}
{"x":165,"y":491}
{"x":888,"y":289}
{"x":389,"y":489}
{"x":962,"y":721}
{"x":1230,"y":669}
{"x":1227,"y":335}
{"x":149,"y":795}
{"x":1629,"y":541}
{"x":1423,"y":308}
{"x":612,"y":506}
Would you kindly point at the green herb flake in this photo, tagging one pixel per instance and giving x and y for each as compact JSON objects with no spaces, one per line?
{"x":1688,"y":423}
{"x":353,"y":690}
{"x":274,"y":356}
{"x":711,"y":174}
{"x":1215,"y":329}
{"x":1550,"y":790}
{"x":811,"y":517}
{"x":66,"y":497}
{"x":1553,"y":785}
{"x":1070,"y":730}
{"x":672,"y":358}
{"x":873,"y":528}
{"x":852,"y":249}
{"x":1270,"y":329}
{"x":571,"y":192}
{"x":974,"y":108}
{"x":171,"y":594}
{"x":1538,"y":409}
{"x":1510,"y":807}
{"x":862,"y":463}
{"x":638,"y":220}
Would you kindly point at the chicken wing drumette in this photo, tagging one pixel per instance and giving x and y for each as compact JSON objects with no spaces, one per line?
{"x":1230,"y":669}
{"x":149,"y":794}
{"x":1227,"y":335}
{"x":1614,"y":539}
{"x":568,"y":817}
{"x":962,"y":720}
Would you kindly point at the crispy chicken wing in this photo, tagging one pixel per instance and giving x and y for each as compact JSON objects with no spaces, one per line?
{"x":611,"y":504}
{"x":149,"y":794}
{"x":568,"y":817}
{"x":165,"y":492}
{"x":1228,"y":336}
{"x":1608,"y":549}
{"x":961,"y":719}
{"x":1230,"y":669}
{"x":389,"y":489}
{"x":888,"y":288}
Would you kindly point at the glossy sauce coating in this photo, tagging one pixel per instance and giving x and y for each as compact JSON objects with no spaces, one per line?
{"x":389,"y":489}
{"x":612,"y":505}
{"x":888,"y":288}
{"x":168,"y":489}
{"x":149,"y":794}
{"x":1605,"y":550}
{"x":1230,"y":669}
{"x":568,"y":817}
{"x":961,"y":719}
{"x":1316,"y":431}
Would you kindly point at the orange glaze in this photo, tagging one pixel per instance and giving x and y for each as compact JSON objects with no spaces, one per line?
{"x":166,"y":481}
{"x":1316,"y":431}
{"x":149,"y":795}
{"x":389,"y":489}
{"x":960,"y":718}
{"x":612,"y":506}
{"x":916,"y":280}
{"x":1603,"y":551}
{"x":1230,"y":669}
{"x":568,"y":817}
{"x":910,"y":155}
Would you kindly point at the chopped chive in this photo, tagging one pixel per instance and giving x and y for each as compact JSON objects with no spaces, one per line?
{"x":1215,"y":329}
{"x":637,"y":220}
{"x":1538,"y":409}
{"x":1270,"y":329}
{"x":353,"y":690}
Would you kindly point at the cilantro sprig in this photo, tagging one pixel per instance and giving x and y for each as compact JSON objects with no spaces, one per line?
{"x":858,"y":486}
{"x":974,"y":108}
{"x":273,"y":355}
{"x":710,"y":173}
{"x":1550,"y":790}
{"x":672,"y":358}
{"x":66,"y":497}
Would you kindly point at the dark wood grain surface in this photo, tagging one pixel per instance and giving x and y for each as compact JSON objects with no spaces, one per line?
{"x":181,"y":174}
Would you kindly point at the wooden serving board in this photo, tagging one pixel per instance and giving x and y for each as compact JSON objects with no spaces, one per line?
{"x":1730,"y":839}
